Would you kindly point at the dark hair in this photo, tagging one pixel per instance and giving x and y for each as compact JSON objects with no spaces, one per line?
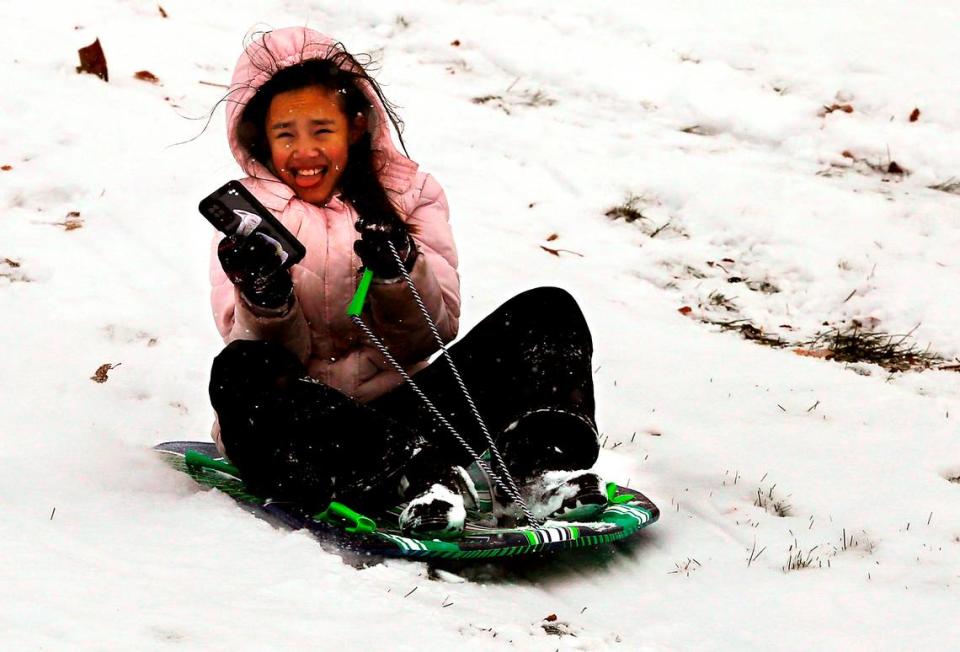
{"x":342,"y":73}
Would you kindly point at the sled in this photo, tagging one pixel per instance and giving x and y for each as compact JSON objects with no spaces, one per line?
{"x":627,"y":512}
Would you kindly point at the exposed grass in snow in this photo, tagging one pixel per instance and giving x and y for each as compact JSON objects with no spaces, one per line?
{"x":686,"y":567}
{"x":951,"y":186}
{"x":631,"y":211}
{"x":892,"y":352}
{"x":776,"y":506}
{"x":749,"y":331}
{"x":512,"y":98}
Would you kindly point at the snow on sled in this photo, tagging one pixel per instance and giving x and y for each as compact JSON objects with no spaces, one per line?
{"x":627,"y":512}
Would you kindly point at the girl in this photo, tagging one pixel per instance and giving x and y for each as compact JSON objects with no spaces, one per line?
{"x":308,"y":409}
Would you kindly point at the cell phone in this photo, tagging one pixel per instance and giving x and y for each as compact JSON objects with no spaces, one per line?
{"x":232,"y":209}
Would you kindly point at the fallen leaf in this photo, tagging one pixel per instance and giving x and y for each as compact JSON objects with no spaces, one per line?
{"x":552,"y":237}
{"x":846,"y":108}
{"x":894,"y":168}
{"x":100,"y":375}
{"x":556,"y":252}
{"x":6,"y":168}
{"x":162,"y":12}
{"x":551,"y":618}
{"x":727,"y":260}
{"x":72,"y":221}
{"x":686,"y":310}
{"x":11,"y":263}
{"x":914,"y":115}
{"x":93,"y":61}
{"x":814,"y":353}
{"x":147,"y":76}
{"x":455,"y":43}
{"x":847,"y":154}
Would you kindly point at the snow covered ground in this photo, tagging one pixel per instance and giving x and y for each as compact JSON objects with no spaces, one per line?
{"x":715,"y":121}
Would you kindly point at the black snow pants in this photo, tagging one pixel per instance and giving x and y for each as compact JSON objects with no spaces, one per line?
{"x":527,"y":366}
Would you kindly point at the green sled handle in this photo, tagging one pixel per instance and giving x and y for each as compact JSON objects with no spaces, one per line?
{"x":356,"y":304}
{"x":197,"y":460}
{"x":335,"y":513}
{"x":612,"y":496}
{"x":338,"y":513}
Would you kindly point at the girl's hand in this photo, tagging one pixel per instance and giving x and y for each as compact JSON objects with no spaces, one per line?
{"x":374,"y":249}
{"x":254,"y":264}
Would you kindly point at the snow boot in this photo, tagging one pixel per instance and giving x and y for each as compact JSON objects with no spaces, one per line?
{"x":437,"y":510}
{"x":547,"y":450}
{"x":565,"y":495}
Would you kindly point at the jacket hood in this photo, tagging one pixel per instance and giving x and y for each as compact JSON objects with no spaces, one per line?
{"x":273,"y":51}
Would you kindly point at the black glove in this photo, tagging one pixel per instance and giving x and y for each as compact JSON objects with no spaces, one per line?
{"x":254,"y":264}
{"x":374,"y":250}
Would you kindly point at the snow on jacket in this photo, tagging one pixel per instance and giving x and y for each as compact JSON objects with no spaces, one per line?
{"x":317,"y":328}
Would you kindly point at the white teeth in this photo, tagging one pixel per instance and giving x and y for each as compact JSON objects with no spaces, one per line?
{"x":310,"y":173}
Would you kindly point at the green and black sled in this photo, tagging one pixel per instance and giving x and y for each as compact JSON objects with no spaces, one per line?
{"x":627,"y":512}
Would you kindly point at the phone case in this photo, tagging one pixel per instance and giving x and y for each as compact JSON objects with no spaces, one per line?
{"x":232,"y":209}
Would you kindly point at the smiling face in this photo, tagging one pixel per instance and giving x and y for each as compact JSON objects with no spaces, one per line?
{"x":309,"y":138}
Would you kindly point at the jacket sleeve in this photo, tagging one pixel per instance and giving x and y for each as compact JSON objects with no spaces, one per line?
{"x":395,"y":315}
{"x":238,"y":320}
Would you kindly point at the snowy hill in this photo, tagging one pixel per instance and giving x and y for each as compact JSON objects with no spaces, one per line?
{"x":705,"y":171}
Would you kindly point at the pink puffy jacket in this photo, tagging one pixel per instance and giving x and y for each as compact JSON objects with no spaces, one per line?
{"x":317,"y":328}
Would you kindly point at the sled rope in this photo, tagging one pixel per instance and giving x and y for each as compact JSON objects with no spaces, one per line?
{"x":509,"y":487}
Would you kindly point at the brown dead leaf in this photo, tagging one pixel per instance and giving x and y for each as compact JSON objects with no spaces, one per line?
{"x":825,"y":354}
{"x":552,"y":237}
{"x":72,"y":221}
{"x":846,"y":108}
{"x":93,"y":61}
{"x":557,"y":252}
{"x":163,"y":13}
{"x":6,"y":168}
{"x":894,"y":168}
{"x":11,"y":263}
{"x":915,"y":115}
{"x":147,"y":76}
{"x":847,"y":154}
{"x":685,"y":310}
{"x":100,"y":375}
{"x":551,"y":618}
{"x":455,"y":43}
